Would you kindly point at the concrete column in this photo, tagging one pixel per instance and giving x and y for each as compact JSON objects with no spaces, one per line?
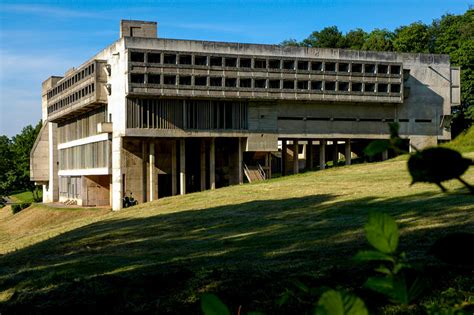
{"x":240,"y":161}
{"x":296,"y":167}
{"x":53,"y":183}
{"x":203,"y":164}
{"x":117,"y":178}
{"x":283,"y":158}
{"x":174,"y":169}
{"x":144,"y":172}
{"x":322,"y":154}
{"x":182,"y":166}
{"x":347,"y":152}
{"x":268,"y":164}
{"x":385,"y":155}
{"x":335,"y":153}
{"x":309,"y":155}
{"x":212,"y":164}
{"x":151,"y":161}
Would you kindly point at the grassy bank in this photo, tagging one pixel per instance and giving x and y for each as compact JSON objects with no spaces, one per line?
{"x":246,"y":243}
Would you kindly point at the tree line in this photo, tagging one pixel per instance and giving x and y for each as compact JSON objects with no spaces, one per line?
{"x":15,"y":162}
{"x":452,"y":35}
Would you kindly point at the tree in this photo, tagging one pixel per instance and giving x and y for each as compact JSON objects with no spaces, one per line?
{"x":328,"y":37}
{"x":355,"y":39}
{"x":415,"y":38}
{"x":5,"y":164}
{"x":290,"y":42}
{"x":379,"y":40}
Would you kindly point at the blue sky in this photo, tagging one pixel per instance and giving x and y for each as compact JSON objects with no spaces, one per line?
{"x":43,"y":38}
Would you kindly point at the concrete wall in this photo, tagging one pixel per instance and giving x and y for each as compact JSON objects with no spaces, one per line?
{"x":96,"y":190}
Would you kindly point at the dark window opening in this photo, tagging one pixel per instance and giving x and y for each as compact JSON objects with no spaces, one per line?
{"x":137,"y":78}
{"x":216,"y":61}
{"x":289,"y":64}
{"x":369,"y":87}
{"x":289,"y":85}
{"x":154,"y":58}
{"x":382,"y":69}
{"x":137,"y":56}
{"x":343,"y":67}
{"x":423,"y":120}
{"x":185,"y":80}
{"x":246,"y":83}
{"x":356,"y":87}
{"x":382,"y":88}
{"x":274,"y":84}
{"x":369,"y":68}
{"x":395,"y":88}
{"x":169,"y":59}
{"x":200,"y":81}
{"x":317,"y":85}
{"x":231,"y":62}
{"x":403,"y":120}
{"x":274,"y":64}
{"x":200,"y":60}
{"x":230,"y":82}
{"x":343,"y":86}
{"x":216,"y":81}
{"x":154,"y":78}
{"x":357,"y":67}
{"x":169,"y":79}
{"x":185,"y":59}
{"x":330,"y":86}
{"x":394,"y":69}
{"x":330,"y":66}
{"x":260,"y":83}
{"x":245,"y":62}
{"x":303,"y":65}
{"x":260,"y":64}
{"x":317,"y":66}
{"x":303,"y":85}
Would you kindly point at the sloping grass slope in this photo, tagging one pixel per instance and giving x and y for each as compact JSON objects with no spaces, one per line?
{"x":247,"y":243}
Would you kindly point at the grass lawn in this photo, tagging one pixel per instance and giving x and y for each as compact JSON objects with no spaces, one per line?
{"x":26,"y":196}
{"x":246,"y":243}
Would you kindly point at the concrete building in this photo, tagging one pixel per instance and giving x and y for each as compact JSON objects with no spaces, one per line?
{"x":157,"y":117}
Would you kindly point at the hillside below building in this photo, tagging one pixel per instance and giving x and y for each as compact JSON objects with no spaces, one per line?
{"x":153,"y":117}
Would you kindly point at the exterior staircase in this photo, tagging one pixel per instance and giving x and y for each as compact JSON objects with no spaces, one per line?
{"x":254,"y":173}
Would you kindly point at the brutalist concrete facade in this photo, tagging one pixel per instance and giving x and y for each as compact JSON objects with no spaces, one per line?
{"x":154,"y":117}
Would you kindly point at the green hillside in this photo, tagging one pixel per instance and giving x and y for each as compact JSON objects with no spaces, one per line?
{"x":246,"y":243}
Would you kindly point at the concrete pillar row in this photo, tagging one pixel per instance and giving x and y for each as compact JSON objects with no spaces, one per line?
{"x":117,"y":177}
{"x":309,"y":155}
{"x":240,"y":162}
{"x":182,"y":166}
{"x":283,"y":158}
{"x":322,"y":154}
{"x":296,"y":167}
{"x":347,"y":152}
{"x":335,"y":153}
{"x":174,"y":168}
{"x":203,"y":164}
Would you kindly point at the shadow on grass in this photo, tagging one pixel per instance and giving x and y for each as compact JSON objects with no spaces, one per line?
{"x":245,"y":252}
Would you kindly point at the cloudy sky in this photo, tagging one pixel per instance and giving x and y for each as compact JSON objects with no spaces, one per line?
{"x":46,"y":38}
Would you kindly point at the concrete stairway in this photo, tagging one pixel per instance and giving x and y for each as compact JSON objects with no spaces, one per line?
{"x":254,"y":173}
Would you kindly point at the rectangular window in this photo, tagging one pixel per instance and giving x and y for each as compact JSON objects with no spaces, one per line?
{"x":260,"y":83}
{"x":274,"y":84}
{"x":169,"y":79}
{"x":369,"y":68}
{"x":302,"y":85}
{"x":154,"y":78}
{"x":185,"y":80}
{"x":245,"y":83}
{"x":200,"y":60}
{"x":230,"y":82}
{"x":357,"y":68}
{"x":330,"y":66}
{"x":317,"y":85}
{"x":330,"y":86}
{"x":303,"y":65}
{"x":200,"y":81}
{"x":185,"y":59}
{"x":343,"y":67}
{"x":369,"y":87}
{"x":343,"y":86}
{"x":382,"y":88}
{"x":395,"y":88}
{"x":137,"y":56}
{"x":395,"y":69}
{"x":215,"y":81}
{"x":356,"y":87}
{"x":289,"y":85}
{"x":260,"y":64}
{"x":382,"y":69}
{"x":245,"y":63}
{"x":274,"y":64}
{"x":289,"y":64}
{"x":317,"y":66}
{"x":216,"y":61}
{"x":230,"y":62}
{"x":154,"y":57}
{"x":137,"y":78}
{"x":169,"y":59}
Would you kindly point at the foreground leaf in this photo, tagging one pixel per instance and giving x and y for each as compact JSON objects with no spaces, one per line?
{"x":372,"y":255}
{"x":382,"y":232}
{"x":339,"y":303}
{"x":211,"y":305}
{"x":393,"y":288}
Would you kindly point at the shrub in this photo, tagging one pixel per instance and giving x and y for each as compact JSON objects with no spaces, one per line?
{"x":20,"y":206}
